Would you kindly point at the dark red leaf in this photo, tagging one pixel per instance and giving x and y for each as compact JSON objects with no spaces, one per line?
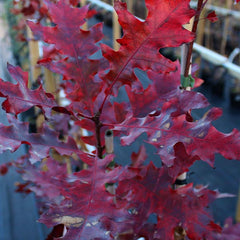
{"x":78,"y":45}
{"x":17,"y":133}
{"x":150,"y":192}
{"x":200,"y":138}
{"x":140,"y":44}
{"x":28,"y":10}
{"x":182,"y":160}
{"x":71,"y":41}
{"x":57,"y":232}
{"x":3,"y":169}
{"x":139,"y":157}
{"x":85,"y":202}
{"x":23,"y":188}
{"x":20,"y":98}
{"x":165,"y":88}
{"x":86,"y":84}
{"x":212,"y":16}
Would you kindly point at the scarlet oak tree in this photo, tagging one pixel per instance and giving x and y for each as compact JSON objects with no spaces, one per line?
{"x":107,"y":200}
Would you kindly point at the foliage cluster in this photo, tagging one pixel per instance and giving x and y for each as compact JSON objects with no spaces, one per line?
{"x":107,"y":200}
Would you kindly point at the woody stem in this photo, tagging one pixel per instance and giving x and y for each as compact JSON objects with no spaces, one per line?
{"x":194,"y":30}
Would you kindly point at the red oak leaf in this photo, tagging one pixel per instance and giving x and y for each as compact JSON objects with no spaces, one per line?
{"x":46,"y":177}
{"x":229,"y":231}
{"x":86,"y":203}
{"x":150,"y":192}
{"x":164,"y":87}
{"x":178,"y":203}
{"x":212,"y":16}
{"x":14,"y":135}
{"x":200,"y":138}
{"x":86,"y":84}
{"x":140,"y":44}
{"x":182,"y":161}
{"x":103,"y":202}
{"x":139,"y":157}
{"x":178,"y":104}
{"x":74,"y":63}
{"x":70,"y":41}
{"x":20,"y":98}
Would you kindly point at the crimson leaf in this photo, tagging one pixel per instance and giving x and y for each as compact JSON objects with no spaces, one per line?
{"x":20,"y":98}
{"x":14,"y":135}
{"x":150,"y":192}
{"x":212,"y":16}
{"x":86,"y":204}
{"x":140,"y":44}
{"x":200,"y":138}
{"x":76,"y":46}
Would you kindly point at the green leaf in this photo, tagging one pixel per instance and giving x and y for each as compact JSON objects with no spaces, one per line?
{"x":187,"y":81}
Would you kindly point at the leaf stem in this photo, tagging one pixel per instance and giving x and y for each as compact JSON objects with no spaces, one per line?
{"x":85,"y":116}
{"x":194,"y":30}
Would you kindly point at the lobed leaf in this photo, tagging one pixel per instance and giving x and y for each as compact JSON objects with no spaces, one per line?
{"x":200,"y":138}
{"x":67,"y":36}
{"x":86,"y":203}
{"x":19,"y":98}
{"x":140,"y":44}
{"x":75,"y":46}
{"x":16,"y":133}
{"x":150,"y":192}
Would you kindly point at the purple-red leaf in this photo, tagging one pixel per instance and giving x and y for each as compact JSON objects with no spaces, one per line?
{"x":17,"y":133}
{"x":67,"y":36}
{"x":200,"y":138}
{"x":229,"y":231}
{"x":182,"y":161}
{"x":20,"y":98}
{"x":140,"y":44}
{"x":139,"y":157}
{"x":86,"y":204}
{"x":150,"y":192}
{"x":212,"y":16}
{"x":164,"y":88}
{"x":3,"y":169}
{"x":74,"y":46}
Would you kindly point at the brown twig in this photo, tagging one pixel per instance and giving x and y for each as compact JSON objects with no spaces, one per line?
{"x":194,"y":30}
{"x":98,"y":126}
